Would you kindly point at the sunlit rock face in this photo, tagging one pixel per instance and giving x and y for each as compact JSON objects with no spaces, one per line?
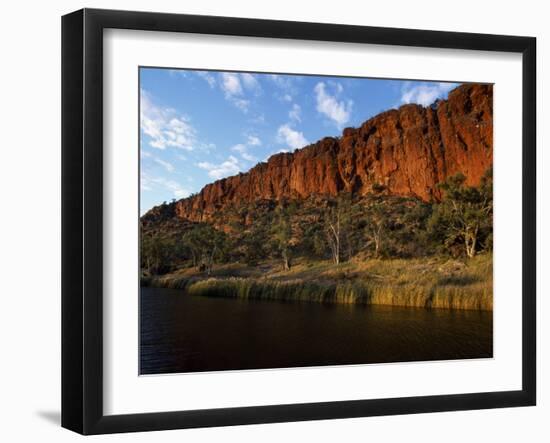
{"x":405,"y":151}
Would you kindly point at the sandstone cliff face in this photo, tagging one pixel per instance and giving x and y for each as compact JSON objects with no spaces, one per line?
{"x":408,"y":151}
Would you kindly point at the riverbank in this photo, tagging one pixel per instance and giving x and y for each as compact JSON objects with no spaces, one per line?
{"x":434,"y":282}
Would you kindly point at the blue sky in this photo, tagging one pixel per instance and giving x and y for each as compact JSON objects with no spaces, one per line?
{"x":199,"y":126}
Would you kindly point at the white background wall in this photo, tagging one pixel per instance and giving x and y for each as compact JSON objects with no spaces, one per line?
{"x":30,"y":219}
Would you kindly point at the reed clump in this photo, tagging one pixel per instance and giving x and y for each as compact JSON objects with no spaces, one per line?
{"x":265,"y":289}
{"x":428,"y":283}
{"x":166,"y":281}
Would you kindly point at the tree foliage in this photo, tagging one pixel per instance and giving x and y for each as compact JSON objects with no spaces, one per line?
{"x":282,"y":235}
{"x":341,"y":228}
{"x":337,"y":223}
{"x":204,"y":242}
{"x":465,"y":216}
{"x":157,"y":254}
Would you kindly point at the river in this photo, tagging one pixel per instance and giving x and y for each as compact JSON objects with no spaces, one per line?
{"x":181,"y":333}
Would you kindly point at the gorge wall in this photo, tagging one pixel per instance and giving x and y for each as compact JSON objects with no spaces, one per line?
{"x":408,"y":151}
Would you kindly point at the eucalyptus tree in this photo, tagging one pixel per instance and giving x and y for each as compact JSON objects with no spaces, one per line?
{"x":465,"y":215}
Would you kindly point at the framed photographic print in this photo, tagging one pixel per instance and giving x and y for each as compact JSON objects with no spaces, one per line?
{"x":270,"y":221}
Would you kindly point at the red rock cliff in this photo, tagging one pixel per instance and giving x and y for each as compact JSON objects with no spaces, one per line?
{"x":408,"y":151}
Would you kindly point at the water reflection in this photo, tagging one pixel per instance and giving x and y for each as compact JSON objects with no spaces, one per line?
{"x":182,"y":333}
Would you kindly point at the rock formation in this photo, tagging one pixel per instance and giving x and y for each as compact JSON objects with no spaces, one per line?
{"x":405,"y":151}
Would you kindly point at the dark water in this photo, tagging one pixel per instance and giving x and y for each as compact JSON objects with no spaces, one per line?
{"x":181,"y":333}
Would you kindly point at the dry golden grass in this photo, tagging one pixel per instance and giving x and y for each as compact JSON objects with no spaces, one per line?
{"x":436,"y":282}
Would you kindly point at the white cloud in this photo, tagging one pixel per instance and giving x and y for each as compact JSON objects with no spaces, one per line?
{"x":295,"y":112}
{"x":231,"y":84}
{"x":227,"y":168}
{"x":166,"y":165}
{"x":249,"y":157}
{"x":283,"y":82}
{"x":252,"y":140}
{"x":239,"y":148}
{"x":424,"y":94}
{"x":176,"y":188}
{"x":258,"y":120}
{"x":234,"y":85}
{"x":288,"y":86}
{"x":250,"y":82}
{"x":164,"y":126}
{"x":177,"y":73}
{"x":242,"y":149}
{"x":329,"y":105}
{"x":207,"y":77}
{"x":339,"y":88}
{"x":294,"y":139}
{"x":241,"y":103}
{"x":147,"y":183}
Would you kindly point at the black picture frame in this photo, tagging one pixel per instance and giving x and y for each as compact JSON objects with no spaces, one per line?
{"x":82,"y":215}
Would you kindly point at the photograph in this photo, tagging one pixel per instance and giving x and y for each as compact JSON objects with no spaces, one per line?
{"x":266,"y":222}
{"x":298,"y":220}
